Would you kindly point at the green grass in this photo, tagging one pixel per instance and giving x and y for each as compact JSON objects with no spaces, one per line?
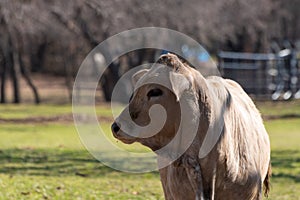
{"x":280,"y":108}
{"x":15,"y":111}
{"x":48,"y":160}
{"x":59,"y":173}
{"x":22,"y":111}
{"x":285,"y":157}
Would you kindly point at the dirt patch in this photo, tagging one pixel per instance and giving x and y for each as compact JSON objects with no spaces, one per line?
{"x":39,"y":120}
{"x":287,"y":116}
{"x":68,"y":118}
{"x":52,"y":89}
{"x":61,"y":119}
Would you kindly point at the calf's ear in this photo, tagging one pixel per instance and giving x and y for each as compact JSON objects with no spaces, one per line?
{"x":136,"y":76}
{"x":179,"y":84}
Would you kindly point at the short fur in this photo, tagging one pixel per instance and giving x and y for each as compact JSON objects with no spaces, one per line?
{"x":237,"y":166}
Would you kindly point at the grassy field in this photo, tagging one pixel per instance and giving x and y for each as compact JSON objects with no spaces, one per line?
{"x":43,"y":158}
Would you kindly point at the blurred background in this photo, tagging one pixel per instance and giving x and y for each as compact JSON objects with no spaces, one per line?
{"x":44,"y":42}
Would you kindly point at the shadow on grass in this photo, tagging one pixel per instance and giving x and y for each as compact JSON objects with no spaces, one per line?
{"x":62,"y":162}
{"x":286,"y":164}
{"x":52,"y":162}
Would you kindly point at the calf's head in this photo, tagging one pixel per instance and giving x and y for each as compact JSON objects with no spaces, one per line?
{"x":164,"y":84}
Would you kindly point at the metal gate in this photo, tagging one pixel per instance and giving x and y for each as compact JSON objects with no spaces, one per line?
{"x":264,"y":76}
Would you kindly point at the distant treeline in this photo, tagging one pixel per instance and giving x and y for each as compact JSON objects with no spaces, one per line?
{"x":54,"y":36}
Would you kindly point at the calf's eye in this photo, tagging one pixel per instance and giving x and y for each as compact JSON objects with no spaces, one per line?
{"x":154,"y":93}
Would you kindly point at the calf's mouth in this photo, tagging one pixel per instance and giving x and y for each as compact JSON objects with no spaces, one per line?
{"x":120,"y":135}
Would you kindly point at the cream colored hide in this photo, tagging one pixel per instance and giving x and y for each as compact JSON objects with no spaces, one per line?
{"x":227,"y":155}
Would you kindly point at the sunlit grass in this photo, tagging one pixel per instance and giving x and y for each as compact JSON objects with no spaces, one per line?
{"x":49,"y":161}
{"x":20,"y":111}
{"x":9,"y":111}
{"x":279,"y":108}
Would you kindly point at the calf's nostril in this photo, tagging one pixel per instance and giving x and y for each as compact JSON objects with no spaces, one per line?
{"x":115,"y":127}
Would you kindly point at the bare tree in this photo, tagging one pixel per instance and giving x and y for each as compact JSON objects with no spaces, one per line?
{"x":12,"y":53}
{"x":54,"y":36}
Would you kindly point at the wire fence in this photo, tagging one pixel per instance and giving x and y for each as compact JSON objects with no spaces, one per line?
{"x":267,"y":76}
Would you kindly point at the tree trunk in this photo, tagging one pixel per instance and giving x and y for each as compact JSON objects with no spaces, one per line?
{"x":27,"y":78}
{"x":3,"y":79}
{"x":15,"y":75}
{"x":69,"y":79}
{"x":37,"y":58}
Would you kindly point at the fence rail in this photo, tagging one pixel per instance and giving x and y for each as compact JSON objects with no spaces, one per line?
{"x":269,"y":76}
